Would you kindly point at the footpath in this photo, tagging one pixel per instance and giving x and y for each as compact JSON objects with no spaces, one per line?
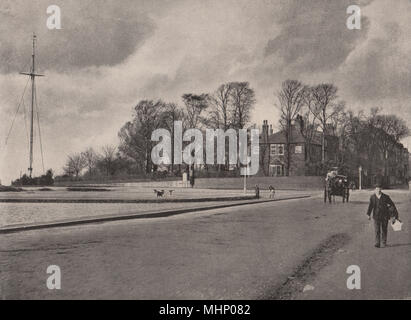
{"x":141,"y":211}
{"x":384,"y":273}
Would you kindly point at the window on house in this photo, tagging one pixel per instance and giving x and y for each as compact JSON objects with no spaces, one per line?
{"x":276,"y":170}
{"x":277,"y":149}
{"x":298,"y":149}
{"x":273,"y":149}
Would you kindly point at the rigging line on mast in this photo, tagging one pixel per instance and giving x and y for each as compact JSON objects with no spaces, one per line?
{"x":18,"y":108}
{"x":25,"y":124}
{"x":8,"y":100}
{"x":38,"y":125}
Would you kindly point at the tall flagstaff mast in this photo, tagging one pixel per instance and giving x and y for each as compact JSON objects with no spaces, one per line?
{"x":32,"y":74}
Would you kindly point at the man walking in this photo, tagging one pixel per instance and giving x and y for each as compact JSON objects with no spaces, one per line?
{"x":382,"y":209}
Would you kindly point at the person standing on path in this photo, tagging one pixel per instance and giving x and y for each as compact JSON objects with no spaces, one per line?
{"x":257,"y":191}
{"x":272,"y":191}
{"x":382,"y":209}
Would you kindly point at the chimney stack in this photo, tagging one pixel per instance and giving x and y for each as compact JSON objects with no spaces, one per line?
{"x":299,"y":121}
{"x":265,"y":131}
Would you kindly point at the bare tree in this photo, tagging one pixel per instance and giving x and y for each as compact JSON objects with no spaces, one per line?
{"x":221,"y":114}
{"x":372,"y":138}
{"x":290,"y":102}
{"x":243,"y":99}
{"x":353,"y":133}
{"x":74,"y":165}
{"x":108,"y":157}
{"x":90,"y":158}
{"x":390,"y":130}
{"x":195,"y":106}
{"x":172,"y":112}
{"x":221,"y":107}
{"x":393,"y":126}
{"x":324,"y":108}
{"x":135,"y":135}
{"x":308,"y":127}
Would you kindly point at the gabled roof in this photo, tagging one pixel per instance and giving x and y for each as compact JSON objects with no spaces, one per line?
{"x":296,"y":137}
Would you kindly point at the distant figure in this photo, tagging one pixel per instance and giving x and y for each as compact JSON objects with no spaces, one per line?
{"x":272,"y":191}
{"x":382,"y":209}
{"x":330,"y":176}
{"x":171,"y":192}
{"x":192,"y":180}
{"x":257,"y":191}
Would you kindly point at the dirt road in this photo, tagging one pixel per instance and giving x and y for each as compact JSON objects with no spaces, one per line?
{"x":264,"y":251}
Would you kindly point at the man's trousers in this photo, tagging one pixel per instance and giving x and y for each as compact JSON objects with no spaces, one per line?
{"x":381,"y":229}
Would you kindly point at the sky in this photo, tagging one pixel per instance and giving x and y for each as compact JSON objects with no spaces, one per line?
{"x":110,"y":54}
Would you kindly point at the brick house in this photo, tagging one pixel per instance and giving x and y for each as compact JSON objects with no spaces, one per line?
{"x":393,"y":170}
{"x":389,"y":168}
{"x":397,"y":165}
{"x":305,"y":157}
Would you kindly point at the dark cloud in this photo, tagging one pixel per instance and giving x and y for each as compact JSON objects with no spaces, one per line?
{"x":380,"y":72}
{"x":314,"y":36}
{"x":94,"y":33}
{"x":115,"y":52}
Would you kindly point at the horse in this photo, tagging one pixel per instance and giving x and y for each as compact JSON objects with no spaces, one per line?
{"x":336,"y":186}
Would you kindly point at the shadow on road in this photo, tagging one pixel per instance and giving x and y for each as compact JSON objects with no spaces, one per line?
{"x":398,"y":244}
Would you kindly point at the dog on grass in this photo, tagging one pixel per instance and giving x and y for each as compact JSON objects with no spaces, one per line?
{"x":159,"y":193}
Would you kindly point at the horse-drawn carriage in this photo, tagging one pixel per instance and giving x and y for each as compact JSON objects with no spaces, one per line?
{"x":336,"y":185}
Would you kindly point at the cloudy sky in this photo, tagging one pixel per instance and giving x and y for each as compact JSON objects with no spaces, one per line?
{"x":110,"y":54}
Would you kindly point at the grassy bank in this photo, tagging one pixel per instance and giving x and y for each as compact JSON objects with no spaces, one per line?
{"x":283,"y":183}
{"x":10,"y":189}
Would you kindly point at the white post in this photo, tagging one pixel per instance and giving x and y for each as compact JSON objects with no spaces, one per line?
{"x":245,"y":176}
{"x":245,"y":181}
{"x":359,"y":176}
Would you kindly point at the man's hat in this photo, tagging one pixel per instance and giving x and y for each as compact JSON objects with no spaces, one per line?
{"x":378,"y":185}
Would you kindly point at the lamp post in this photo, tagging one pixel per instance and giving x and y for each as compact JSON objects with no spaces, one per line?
{"x":245,"y":176}
{"x":245,"y":180}
{"x":359,"y":177}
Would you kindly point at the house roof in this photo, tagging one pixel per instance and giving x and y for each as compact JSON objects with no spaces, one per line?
{"x":296,"y":137}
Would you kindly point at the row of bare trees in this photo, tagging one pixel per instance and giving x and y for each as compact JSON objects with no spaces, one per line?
{"x":320,"y":110}
{"x":315,"y":106}
{"x":92,"y":162}
{"x":372,"y":140}
{"x":229,"y":106}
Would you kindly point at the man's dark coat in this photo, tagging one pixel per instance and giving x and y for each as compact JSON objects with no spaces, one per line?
{"x":383,"y":209}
